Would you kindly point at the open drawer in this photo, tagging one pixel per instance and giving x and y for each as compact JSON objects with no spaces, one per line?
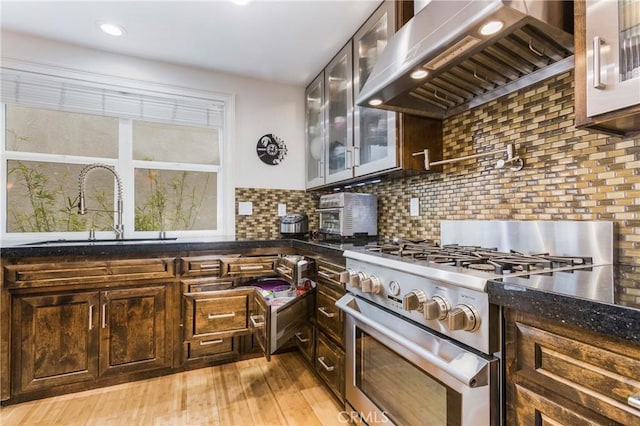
{"x":275,"y":320}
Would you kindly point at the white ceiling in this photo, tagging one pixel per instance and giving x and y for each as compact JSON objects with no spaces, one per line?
{"x":281,"y":41}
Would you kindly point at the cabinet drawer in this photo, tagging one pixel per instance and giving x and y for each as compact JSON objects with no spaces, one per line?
{"x":210,"y":313}
{"x":330,"y":273}
{"x":304,"y":339}
{"x":202,"y":265}
{"x":329,"y":318}
{"x":248,"y":266}
{"x":55,"y":274}
{"x":590,"y":370}
{"x":330,"y":365}
{"x":211,"y":346}
{"x":200,"y":285}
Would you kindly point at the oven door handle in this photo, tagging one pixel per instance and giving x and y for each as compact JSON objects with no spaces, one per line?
{"x":469,"y":369}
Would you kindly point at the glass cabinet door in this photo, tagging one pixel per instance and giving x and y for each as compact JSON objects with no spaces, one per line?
{"x":374,"y":129}
{"x":314,"y":120}
{"x":339,"y":102}
{"x":613,"y":55}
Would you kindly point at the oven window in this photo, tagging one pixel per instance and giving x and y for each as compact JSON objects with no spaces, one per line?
{"x":403,"y":392}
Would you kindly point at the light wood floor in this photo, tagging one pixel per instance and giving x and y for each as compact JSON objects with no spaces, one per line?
{"x":251,"y":392}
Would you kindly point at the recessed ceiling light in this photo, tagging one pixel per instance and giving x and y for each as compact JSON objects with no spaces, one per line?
{"x":111,"y":29}
{"x":419,"y":74}
{"x":375,"y":102}
{"x":491,"y":27}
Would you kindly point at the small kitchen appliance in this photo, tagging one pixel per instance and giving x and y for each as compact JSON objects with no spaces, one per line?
{"x":423,"y":343}
{"x":347,"y":214}
{"x":294,"y":225}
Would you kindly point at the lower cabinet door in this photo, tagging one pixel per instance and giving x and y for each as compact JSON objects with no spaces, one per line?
{"x":133,"y":330}
{"x":58,"y":337}
{"x":330,"y":365}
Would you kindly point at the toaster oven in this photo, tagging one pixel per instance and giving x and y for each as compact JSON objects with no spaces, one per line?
{"x":347,"y":214}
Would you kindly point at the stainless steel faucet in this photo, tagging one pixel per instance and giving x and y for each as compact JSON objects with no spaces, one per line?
{"x":82,"y":209}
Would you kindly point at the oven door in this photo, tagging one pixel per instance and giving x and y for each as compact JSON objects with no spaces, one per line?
{"x":331,"y":222}
{"x":398,"y":372}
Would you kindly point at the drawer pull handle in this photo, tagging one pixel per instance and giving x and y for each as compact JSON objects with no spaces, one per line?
{"x":90,"y":317}
{"x":257,"y":321}
{"x":210,"y":266}
{"x":210,"y":342}
{"x":284,"y":270}
{"x":300,"y":338}
{"x":326,"y":275}
{"x":219,"y":316}
{"x":324,"y":365}
{"x":251,"y":267}
{"x":104,"y":315}
{"x":634,"y":400}
{"x":323,"y":310}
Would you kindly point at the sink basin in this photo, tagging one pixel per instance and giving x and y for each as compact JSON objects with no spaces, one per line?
{"x":98,"y":241}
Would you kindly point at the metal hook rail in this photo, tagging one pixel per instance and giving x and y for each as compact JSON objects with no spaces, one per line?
{"x":514,"y":160}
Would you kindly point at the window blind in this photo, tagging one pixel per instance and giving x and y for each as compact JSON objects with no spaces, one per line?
{"x":41,"y":91}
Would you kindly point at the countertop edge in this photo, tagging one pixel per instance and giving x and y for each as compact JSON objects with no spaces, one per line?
{"x":613,"y":320}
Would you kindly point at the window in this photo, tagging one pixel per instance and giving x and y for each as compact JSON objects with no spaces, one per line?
{"x":166,"y":151}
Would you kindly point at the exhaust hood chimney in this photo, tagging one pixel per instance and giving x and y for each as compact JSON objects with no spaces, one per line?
{"x":455,"y":55}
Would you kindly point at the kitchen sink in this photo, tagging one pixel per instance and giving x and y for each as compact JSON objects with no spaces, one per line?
{"x":98,"y":241}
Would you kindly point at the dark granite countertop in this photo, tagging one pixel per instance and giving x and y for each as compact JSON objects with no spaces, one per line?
{"x":153,"y":246}
{"x":603,"y":299}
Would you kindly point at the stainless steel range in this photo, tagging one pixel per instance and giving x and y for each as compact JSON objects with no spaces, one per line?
{"x":420,"y":328}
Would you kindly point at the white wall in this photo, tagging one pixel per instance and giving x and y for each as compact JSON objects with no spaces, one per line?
{"x":260,"y":107}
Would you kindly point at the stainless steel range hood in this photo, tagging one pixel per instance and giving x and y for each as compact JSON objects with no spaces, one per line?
{"x":465,"y":68}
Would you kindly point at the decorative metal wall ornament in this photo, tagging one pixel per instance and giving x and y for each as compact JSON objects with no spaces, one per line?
{"x":271,"y":149}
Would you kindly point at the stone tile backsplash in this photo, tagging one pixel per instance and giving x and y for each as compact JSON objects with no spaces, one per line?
{"x":569,"y":174}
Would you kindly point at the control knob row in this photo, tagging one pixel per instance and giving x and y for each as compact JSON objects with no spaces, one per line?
{"x":362,"y":280}
{"x":462,"y":317}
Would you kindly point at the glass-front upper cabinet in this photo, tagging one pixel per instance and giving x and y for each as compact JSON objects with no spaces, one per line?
{"x":338,"y":115}
{"x":315,"y":137}
{"x":374,"y":129}
{"x":613,"y":55}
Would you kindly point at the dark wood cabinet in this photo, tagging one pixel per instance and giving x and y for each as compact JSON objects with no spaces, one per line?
{"x":77,"y":324}
{"x":330,"y":365}
{"x":330,"y":326}
{"x":75,"y":337}
{"x":557,"y":374}
{"x":56,"y":340}
{"x":133,"y":330}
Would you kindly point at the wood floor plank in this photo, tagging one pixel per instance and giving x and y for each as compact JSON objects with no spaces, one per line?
{"x":250,"y":392}
{"x":325,"y":408}
{"x":262,"y":403}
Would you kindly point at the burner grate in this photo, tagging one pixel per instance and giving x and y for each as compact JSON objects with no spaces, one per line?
{"x":476,"y":257}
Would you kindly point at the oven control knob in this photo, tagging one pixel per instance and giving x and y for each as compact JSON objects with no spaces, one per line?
{"x":414,"y":300}
{"x":371,"y":285}
{"x":357,"y":279}
{"x":436,"y":309}
{"x":464,"y":317}
{"x":345,"y":276}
